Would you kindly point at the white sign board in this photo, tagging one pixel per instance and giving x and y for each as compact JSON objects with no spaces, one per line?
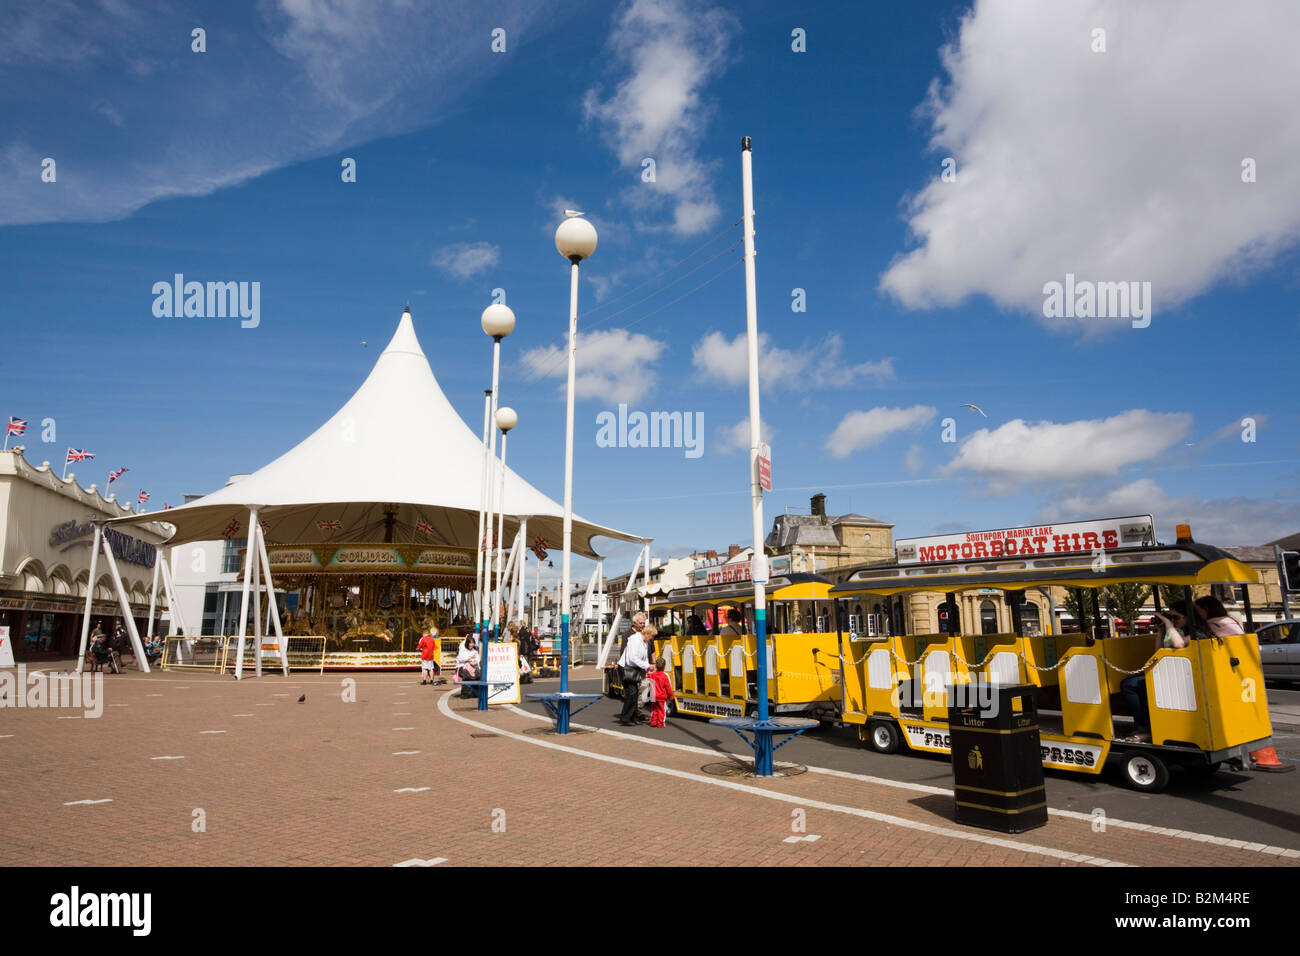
{"x":1076,"y":537}
{"x":6,"y":648}
{"x":502,"y":665}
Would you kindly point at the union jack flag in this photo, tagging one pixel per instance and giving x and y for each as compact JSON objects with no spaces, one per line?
{"x":424,"y":528}
{"x":74,"y":455}
{"x":142,"y":497}
{"x":231,"y":529}
{"x":330,"y":525}
{"x":17,"y":426}
{"x":114,"y":475}
{"x":540,"y":547}
{"x":166,"y":507}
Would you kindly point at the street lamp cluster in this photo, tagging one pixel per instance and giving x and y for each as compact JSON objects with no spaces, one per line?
{"x":576,"y":240}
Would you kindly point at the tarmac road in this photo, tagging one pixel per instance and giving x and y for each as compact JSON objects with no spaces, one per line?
{"x":1257,"y":807}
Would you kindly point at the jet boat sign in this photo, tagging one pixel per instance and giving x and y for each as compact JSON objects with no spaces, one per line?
{"x":1071,"y":538}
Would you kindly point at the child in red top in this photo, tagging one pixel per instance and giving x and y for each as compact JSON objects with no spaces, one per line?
{"x":429,"y":650}
{"x":663,"y":692}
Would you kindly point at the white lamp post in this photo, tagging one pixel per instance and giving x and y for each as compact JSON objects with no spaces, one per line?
{"x":498,"y":322}
{"x":506,"y":419}
{"x":576,"y":240}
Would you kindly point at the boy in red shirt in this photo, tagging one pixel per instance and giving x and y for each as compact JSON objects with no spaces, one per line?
{"x":429,"y":656}
{"x":663,"y":692}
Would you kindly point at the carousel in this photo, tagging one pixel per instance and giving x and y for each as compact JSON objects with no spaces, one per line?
{"x":366,"y":530}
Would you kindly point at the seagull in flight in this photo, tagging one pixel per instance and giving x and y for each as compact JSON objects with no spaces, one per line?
{"x":974,"y":408}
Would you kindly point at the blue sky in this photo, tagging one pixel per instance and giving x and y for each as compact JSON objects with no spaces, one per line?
{"x":1115,"y":164}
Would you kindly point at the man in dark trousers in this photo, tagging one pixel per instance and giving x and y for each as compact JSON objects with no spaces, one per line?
{"x":633,"y":666}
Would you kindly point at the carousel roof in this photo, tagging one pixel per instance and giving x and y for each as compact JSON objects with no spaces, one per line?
{"x":396,"y":463}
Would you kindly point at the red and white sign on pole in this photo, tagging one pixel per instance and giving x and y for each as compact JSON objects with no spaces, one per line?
{"x":765,"y":466}
{"x":1071,"y":538}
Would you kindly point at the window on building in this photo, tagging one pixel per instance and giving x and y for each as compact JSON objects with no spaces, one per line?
{"x":988,"y":617}
{"x":230,"y":555}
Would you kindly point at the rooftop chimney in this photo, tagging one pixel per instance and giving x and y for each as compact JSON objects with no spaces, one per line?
{"x":732,"y":551}
{"x":819,"y":504}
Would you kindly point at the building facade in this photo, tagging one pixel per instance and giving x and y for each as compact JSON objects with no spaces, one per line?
{"x":46,"y":533}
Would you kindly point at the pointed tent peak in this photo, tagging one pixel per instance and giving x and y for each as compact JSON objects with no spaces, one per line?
{"x":404,"y":339}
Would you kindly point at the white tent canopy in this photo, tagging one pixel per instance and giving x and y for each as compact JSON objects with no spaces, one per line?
{"x":394,"y":458}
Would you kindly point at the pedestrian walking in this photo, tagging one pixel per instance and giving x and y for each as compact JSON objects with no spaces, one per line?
{"x":429,"y":666}
{"x":633,"y":665}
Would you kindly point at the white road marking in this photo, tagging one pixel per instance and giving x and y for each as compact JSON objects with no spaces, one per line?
{"x":166,"y":758}
{"x":925,"y":788}
{"x":401,"y":713}
{"x":74,"y":717}
{"x":416,"y":861}
{"x":279,"y":695}
{"x":117,"y":705}
{"x":403,"y":728}
{"x":77,"y":803}
{"x":266,"y":705}
{"x":411,"y":790}
{"x":212,"y":731}
{"x":403,"y":753}
{"x":153,"y":695}
{"x":810,"y":838}
{"x":773,"y":794}
{"x":2,"y":736}
{"x":241,"y":715}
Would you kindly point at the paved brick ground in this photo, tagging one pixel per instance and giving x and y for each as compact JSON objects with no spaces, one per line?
{"x":280,"y":782}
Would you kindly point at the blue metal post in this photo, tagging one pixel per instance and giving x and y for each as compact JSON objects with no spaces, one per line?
{"x":562,"y":705}
{"x":762,"y":737}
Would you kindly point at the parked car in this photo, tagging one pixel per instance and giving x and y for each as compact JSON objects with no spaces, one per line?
{"x":1279,"y":650}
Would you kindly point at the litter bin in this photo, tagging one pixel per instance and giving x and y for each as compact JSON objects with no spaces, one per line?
{"x":997,"y":765}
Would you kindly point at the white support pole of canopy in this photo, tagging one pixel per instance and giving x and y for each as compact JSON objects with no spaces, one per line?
{"x":508,"y":576}
{"x":521,"y":578}
{"x":243,"y":597}
{"x":153,"y":590}
{"x":608,"y":642}
{"x":173,"y":606}
{"x":281,"y":643}
{"x":586,"y":603}
{"x":645,"y":595}
{"x":141,"y":661}
{"x":90,"y":597}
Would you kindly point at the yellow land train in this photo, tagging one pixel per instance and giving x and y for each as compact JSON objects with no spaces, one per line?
{"x":715,"y":672}
{"x":1206,"y":701}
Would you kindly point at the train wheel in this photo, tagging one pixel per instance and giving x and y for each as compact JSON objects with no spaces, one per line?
{"x":883,"y":736}
{"x":1144,"y":772}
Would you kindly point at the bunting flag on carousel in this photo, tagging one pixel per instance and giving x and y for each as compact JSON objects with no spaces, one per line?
{"x":540,"y":547}
{"x":166,"y":507}
{"x":142,"y":497}
{"x":75,"y":455}
{"x":331,"y":525}
{"x":424,"y":528}
{"x":230,"y":530}
{"x":17,"y":426}
{"x":114,"y":475}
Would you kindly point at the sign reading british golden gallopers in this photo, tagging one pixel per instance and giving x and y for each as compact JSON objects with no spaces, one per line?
{"x":370,"y":557}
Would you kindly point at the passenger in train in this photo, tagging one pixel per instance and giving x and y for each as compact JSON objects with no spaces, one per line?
{"x":1134,"y":687}
{"x":1215,"y":617}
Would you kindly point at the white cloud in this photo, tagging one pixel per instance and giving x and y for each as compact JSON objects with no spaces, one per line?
{"x":613,"y":365}
{"x":727,"y":361}
{"x":732,"y":438}
{"x":1020,"y":451}
{"x":293,"y":80}
{"x":669,"y":52}
{"x":1221,"y":521}
{"x":466,"y":259}
{"x":859,"y":430}
{"x":1114,"y":166}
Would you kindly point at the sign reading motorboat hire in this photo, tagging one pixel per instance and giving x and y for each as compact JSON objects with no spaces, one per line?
{"x":1074,"y":537}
